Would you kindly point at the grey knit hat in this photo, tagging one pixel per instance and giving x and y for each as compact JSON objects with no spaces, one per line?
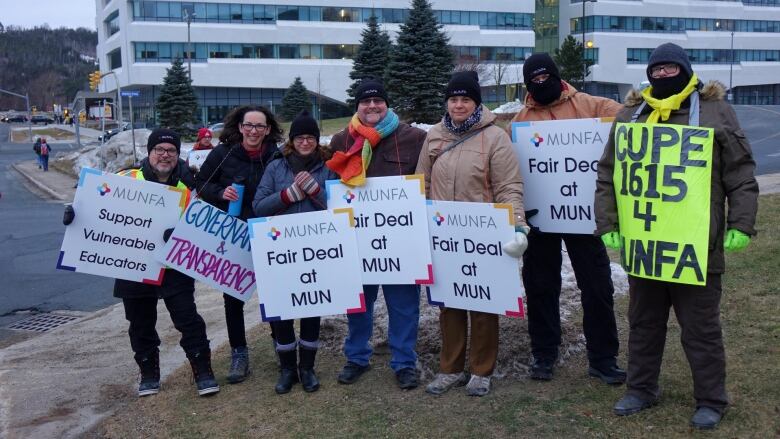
{"x":670,"y":53}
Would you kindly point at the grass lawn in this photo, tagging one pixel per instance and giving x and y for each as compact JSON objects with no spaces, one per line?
{"x":572,"y":405}
{"x":49,"y":133}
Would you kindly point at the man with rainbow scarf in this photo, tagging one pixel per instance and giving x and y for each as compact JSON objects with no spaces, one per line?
{"x":377,"y":144}
{"x":675,"y":155}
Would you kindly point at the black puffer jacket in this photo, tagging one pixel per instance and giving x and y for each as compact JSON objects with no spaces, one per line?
{"x":224,"y":164}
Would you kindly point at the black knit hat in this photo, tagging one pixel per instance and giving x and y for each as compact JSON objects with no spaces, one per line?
{"x":464,"y":83}
{"x":370,"y":88}
{"x":538,"y":64}
{"x":670,"y":53}
{"x":163,"y":135}
{"x":304,"y":124}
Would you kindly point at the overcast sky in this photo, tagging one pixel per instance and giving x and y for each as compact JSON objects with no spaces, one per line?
{"x":58,"y":13}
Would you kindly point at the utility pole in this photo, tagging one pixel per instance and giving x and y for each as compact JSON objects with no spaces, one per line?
{"x":26,"y":98}
{"x":189,"y":16}
{"x":584,"y":59}
{"x":731,"y":70}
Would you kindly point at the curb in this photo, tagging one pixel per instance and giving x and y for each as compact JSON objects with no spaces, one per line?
{"x":38,"y":184}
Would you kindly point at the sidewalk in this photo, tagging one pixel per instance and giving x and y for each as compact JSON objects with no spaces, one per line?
{"x":61,"y":383}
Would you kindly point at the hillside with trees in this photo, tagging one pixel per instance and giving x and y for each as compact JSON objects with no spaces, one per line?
{"x":49,"y":64}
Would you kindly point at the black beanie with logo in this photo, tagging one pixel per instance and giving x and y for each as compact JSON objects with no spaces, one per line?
{"x":464,"y":83}
{"x":370,"y":88}
{"x":163,"y":135}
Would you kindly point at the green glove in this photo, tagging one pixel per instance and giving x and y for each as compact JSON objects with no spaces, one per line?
{"x":612,"y":239}
{"x":735,"y":240}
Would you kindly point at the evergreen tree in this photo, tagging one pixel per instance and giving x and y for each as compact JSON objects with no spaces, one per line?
{"x":569,"y":59}
{"x":371,"y":58}
{"x":177,"y":104}
{"x":295,"y":99}
{"x":420,"y":66}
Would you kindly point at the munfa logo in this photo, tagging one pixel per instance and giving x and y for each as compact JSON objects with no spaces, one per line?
{"x":103,"y":189}
{"x":537,"y":140}
{"x":348,"y":197}
{"x":438,"y":218}
{"x":461,"y":92}
{"x":274,"y":234}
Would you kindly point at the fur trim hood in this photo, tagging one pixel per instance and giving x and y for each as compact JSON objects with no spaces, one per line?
{"x":711,"y":91}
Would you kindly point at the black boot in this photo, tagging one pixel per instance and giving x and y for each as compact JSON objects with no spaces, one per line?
{"x":288,"y":374}
{"x":306,"y":369}
{"x":201,"y":370}
{"x":150,"y":373}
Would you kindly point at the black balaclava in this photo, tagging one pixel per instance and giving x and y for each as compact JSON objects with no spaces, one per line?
{"x":664,"y":54}
{"x":548,"y":91}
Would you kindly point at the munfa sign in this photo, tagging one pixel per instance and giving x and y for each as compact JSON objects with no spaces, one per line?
{"x":392,"y":232}
{"x":469,"y":265}
{"x":558,"y":161}
{"x":119,"y":226}
{"x":309,"y":264}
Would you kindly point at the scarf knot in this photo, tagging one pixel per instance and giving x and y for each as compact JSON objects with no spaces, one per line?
{"x":662,"y":108}
{"x":466,"y":125}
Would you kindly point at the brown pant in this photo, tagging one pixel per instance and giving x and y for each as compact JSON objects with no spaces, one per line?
{"x":483,"y":346}
{"x":698,"y":312}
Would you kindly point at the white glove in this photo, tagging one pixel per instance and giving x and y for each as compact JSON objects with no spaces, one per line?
{"x":516,"y":247}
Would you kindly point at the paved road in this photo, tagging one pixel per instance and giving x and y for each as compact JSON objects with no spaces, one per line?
{"x":30,"y":239}
{"x":762,"y":128}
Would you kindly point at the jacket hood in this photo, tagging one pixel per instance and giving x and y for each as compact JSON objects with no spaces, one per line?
{"x":711,"y":91}
{"x":567,"y":92}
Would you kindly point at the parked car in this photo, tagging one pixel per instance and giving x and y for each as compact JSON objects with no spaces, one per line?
{"x":40,"y":118}
{"x":15,"y":118}
{"x":113,"y":132}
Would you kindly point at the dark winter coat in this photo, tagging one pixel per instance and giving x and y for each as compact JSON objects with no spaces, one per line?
{"x":278,"y":177}
{"x":224,"y":164}
{"x":732,"y":170}
{"x":396,"y":154}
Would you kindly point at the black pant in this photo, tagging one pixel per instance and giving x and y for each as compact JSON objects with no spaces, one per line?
{"x":697,"y":309}
{"x":142,"y":315}
{"x":284,"y":330}
{"x":542,"y":279}
{"x":234,"y":317}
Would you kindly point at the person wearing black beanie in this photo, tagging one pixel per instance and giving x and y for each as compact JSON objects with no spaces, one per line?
{"x":163,"y":135}
{"x":464,"y":83}
{"x":370,"y":88}
{"x":665,"y":79}
{"x":304,"y":124}
{"x":542,"y":78}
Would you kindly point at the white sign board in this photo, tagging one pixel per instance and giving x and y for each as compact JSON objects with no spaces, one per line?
{"x":308,"y":264}
{"x":470,"y":267}
{"x":558,"y":161}
{"x":119,"y":226}
{"x":213,"y":247}
{"x":196,"y":158}
{"x":392,"y":231}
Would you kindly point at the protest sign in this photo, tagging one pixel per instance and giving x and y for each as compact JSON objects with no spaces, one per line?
{"x":392,"y":231}
{"x":119,"y":226}
{"x":308,"y":263}
{"x":662,"y":179}
{"x":469,"y":265}
{"x":197,"y":157}
{"x":213,"y":247}
{"x":558,"y":161}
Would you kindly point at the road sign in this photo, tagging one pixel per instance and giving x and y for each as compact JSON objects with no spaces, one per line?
{"x":131,"y":93}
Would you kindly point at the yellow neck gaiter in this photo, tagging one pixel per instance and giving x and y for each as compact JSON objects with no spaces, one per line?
{"x":662,"y":108}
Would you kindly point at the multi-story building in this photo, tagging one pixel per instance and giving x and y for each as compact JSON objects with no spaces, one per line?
{"x":249,"y":51}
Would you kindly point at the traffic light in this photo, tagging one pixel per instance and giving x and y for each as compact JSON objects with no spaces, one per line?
{"x":94,"y":80}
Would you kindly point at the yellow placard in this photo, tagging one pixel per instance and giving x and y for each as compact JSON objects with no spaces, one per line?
{"x":662,"y":184}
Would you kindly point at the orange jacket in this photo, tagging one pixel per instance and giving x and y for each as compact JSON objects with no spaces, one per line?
{"x":572,"y":104}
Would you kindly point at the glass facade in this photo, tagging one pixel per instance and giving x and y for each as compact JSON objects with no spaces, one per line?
{"x":111,"y":23}
{"x":604,"y":23}
{"x":546,"y":25}
{"x":710,"y":56}
{"x":115,"y":59}
{"x":766,"y":94}
{"x":268,"y":14}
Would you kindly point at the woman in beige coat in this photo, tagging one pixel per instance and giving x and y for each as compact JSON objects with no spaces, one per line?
{"x":466,"y":157}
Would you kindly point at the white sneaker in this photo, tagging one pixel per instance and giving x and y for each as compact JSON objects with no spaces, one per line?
{"x":478,"y":386}
{"x":443,"y":382}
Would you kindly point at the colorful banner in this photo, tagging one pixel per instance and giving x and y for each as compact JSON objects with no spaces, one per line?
{"x":558,"y":161}
{"x":662,"y":180}
{"x":391,"y":229}
{"x":308,"y":263}
{"x":119,"y":226}
{"x":213,"y":247}
{"x":469,"y":265}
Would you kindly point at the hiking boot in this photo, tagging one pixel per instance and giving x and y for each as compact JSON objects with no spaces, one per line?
{"x":201,"y":371}
{"x":706,"y":418}
{"x":630,"y":404}
{"x":309,"y":380}
{"x":288,"y":374}
{"x":611,"y":374}
{"x":150,"y":374}
{"x":406,"y":378}
{"x":239,"y":365}
{"x":443,"y":382}
{"x":478,"y":386}
{"x":542,"y":369}
{"x":351,"y":372}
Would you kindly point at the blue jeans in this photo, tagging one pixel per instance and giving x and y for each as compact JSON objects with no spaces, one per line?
{"x":403,"y":308}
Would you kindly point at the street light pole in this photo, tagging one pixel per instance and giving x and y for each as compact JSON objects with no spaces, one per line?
{"x":731,"y":69}
{"x":584,"y":59}
{"x":188,"y":16}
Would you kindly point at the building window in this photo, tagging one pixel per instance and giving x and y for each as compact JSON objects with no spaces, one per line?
{"x":112,"y":23}
{"x":598,"y":23}
{"x":115,"y":59}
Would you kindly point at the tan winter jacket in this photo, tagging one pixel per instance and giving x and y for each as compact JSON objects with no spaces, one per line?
{"x":572,"y":104}
{"x":732,"y":170}
{"x":484,"y":168}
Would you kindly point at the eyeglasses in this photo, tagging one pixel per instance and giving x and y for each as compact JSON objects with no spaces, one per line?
{"x":541,"y":78}
{"x":669,"y":69}
{"x":301,"y":139}
{"x":369,"y":101}
{"x":162,"y":151}
{"x":252,"y":126}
